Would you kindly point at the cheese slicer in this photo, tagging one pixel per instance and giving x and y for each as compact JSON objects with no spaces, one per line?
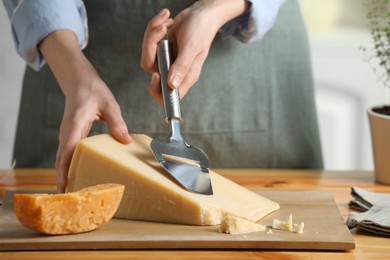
{"x":192,"y":177}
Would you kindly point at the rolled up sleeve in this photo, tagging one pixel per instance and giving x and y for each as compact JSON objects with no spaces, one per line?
{"x":33,"y":20}
{"x":254,"y":24}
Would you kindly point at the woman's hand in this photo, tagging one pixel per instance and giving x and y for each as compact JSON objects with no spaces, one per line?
{"x":191,"y":32}
{"x":87,"y":98}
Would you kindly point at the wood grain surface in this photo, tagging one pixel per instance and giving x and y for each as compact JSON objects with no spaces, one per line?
{"x":338,"y":183}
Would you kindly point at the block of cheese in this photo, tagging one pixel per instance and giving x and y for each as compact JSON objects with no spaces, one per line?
{"x":151,"y":194}
{"x":69,"y":213}
{"x":234,"y":225}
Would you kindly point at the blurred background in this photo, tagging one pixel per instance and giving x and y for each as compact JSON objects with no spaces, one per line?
{"x":345,"y":85}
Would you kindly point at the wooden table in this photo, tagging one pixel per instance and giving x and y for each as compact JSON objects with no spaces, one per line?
{"x":339,"y":183}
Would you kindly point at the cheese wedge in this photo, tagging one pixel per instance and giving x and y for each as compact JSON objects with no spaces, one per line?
{"x":69,"y":213}
{"x":234,"y":225}
{"x":151,"y":194}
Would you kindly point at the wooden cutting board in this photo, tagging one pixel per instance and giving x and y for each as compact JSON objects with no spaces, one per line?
{"x":325,"y":229}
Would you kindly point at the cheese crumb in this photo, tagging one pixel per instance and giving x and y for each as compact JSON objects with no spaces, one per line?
{"x":283,"y":225}
{"x":236,"y":225}
{"x":299,"y":228}
{"x":288,"y":225}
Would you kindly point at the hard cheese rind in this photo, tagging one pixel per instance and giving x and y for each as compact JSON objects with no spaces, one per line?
{"x":69,"y":213}
{"x":151,"y":194}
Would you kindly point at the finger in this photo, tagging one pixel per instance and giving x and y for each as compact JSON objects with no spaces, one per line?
{"x":192,"y":76}
{"x":155,"y":88}
{"x":155,"y":31}
{"x":181,"y":66}
{"x":62,"y":167}
{"x":159,"y":18}
{"x":69,"y":137}
{"x":60,"y":179}
{"x":149,"y":46}
{"x":117,"y":126}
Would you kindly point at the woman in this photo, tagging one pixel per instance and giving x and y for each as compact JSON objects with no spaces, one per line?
{"x":252,"y":105}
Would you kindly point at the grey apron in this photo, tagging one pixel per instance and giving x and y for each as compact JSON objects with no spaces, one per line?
{"x":253,"y":106}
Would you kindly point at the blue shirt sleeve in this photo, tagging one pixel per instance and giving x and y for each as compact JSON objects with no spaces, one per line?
{"x":33,"y":20}
{"x":255,"y":22}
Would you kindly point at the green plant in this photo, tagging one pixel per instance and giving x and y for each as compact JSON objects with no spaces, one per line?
{"x":378,"y":16}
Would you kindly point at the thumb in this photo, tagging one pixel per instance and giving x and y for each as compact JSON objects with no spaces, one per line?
{"x":180,"y":68}
{"x":117,"y":125}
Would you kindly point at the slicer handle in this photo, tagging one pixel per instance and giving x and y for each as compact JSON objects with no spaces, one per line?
{"x":171,"y":97}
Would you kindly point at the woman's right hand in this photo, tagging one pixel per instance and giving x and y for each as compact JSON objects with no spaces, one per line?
{"x":87,"y":98}
{"x":191,"y":33}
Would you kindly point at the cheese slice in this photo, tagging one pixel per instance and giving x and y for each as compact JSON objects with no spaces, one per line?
{"x":151,"y":194}
{"x":81,"y":211}
{"x":234,"y":225}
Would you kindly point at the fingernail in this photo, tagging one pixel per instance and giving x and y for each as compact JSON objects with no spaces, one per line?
{"x":175,"y":81}
{"x":126,"y":137}
{"x":163,"y":12}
